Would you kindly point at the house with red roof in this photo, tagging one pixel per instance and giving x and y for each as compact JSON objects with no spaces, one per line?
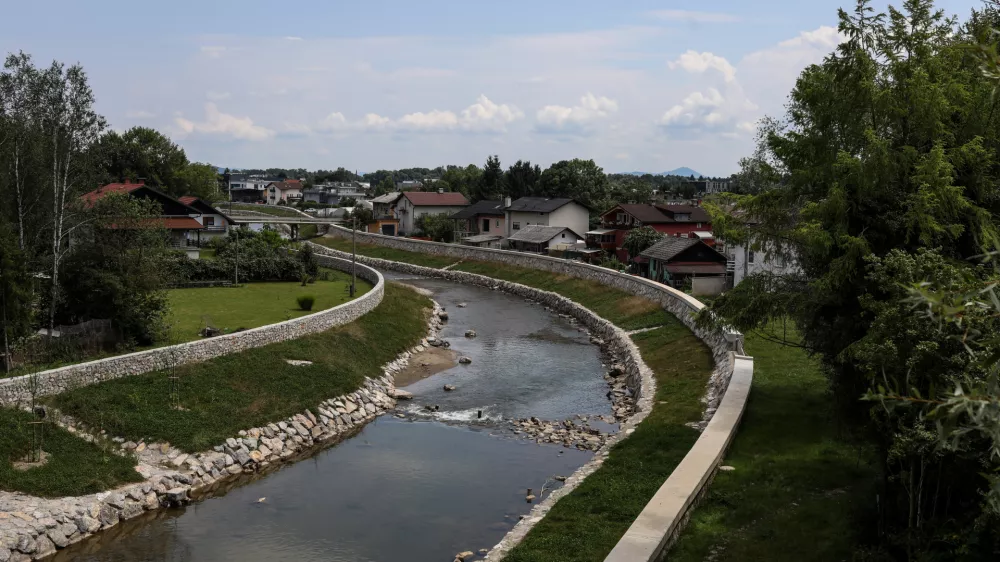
{"x":684,"y":221}
{"x":411,"y":205}
{"x":183,"y":218}
{"x":288,"y":190}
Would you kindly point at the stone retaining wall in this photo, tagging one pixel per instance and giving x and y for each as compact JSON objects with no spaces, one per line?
{"x":17,"y":391}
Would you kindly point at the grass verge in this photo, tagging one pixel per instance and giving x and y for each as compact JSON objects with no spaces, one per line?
{"x":627,"y":311}
{"x":251,"y":305}
{"x":221,"y":396}
{"x":381,"y":252}
{"x":74,"y":467}
{"x":799,"y":489}
{"x":586,"y":524}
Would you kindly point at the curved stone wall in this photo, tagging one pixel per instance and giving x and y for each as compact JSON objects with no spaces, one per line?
{"x":18,"y":391}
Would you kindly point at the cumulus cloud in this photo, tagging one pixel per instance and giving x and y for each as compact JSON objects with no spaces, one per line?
{"x":578,"y":119}
{"x":699,"y":63}
{"x":694,"y":17}
{"x":710,"y":111}
{"x":223,"y":124}
{"x":483,"y":116}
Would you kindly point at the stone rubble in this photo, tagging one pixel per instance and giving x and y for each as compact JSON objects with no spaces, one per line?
{"x":33,"y":528}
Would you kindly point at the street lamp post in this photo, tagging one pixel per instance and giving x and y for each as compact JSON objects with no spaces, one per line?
{"x":354,"y":252}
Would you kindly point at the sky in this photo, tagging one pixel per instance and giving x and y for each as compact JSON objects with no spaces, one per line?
{"x":636,"y":85}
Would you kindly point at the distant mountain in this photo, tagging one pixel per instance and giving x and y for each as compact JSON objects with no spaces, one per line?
{"x":682,"y":172}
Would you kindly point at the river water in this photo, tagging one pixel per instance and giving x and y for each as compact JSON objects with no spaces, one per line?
{"x":418,"y":488}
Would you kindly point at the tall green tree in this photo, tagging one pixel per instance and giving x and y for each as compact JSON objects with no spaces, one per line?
{"x":888,"y":148}
{"x":491,"y":187}
{"x":638,"y":239}
{"x":141,"y":153}
{"x":521,"y":179}
{"x":578,"y":179}
{"x":16,"y":309}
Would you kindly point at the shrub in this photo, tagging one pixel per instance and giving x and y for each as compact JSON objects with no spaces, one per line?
{"x":306,"y":302}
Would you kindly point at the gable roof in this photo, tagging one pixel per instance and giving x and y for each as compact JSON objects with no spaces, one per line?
{"x":202,"y":206}
{"x":480,"y":208}
{"x":647,"y":214}
{"x":431,"y":199}
{"x":540,"y":204}
{"x":128,"y":187}
{"x":387,"y":198}
{"x":285,"y":185}
{"x":539,"y":233}
{"x":696,"y":213}
{"x":672,"y":246}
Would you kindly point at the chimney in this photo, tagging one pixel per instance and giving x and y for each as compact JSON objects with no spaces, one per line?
{"x":506,"y":202}
{"x":440,"y":190}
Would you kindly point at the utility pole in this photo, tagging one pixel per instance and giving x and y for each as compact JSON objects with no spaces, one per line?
{"x":354,"y":252}
{"x":237,"y":257}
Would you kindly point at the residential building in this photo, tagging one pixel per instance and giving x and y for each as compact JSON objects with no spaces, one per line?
{"x":287,"y":191}
{"x":483,"y":218}
{"x":707,"y":187}
{"x":249,"y":188}
{"x":677,"y":261}
{"x":745,"y":262}
{"x":543,"y":239}
{"x":546,"y":211}
{"x":411,"y":205}
{"x":179,"y":219}
{"x":672,"y":220}
{"x":409,"y":185}
{"x":215,"y":224}
{"x":384,"y":220}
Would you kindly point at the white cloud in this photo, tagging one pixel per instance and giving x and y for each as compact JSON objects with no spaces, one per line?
{"x":140,"y":114}
{"x":293,"y":38}
{"x":694,"y":17}
{"x":709,"y":111}
{"x":218,"y":123}
{"x":483,"y":116}
{"x":577,"y":119}
{"x":217,"y":96}
{"x":698,"y":63}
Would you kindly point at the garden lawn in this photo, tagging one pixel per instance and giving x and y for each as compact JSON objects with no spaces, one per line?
{"x":251,"y":305}
{"x":800,"y":490}
{"x":249,"y":389}
{"x":381,"y":252}
{"x":75,"y":467}
{"x":586,"y":524}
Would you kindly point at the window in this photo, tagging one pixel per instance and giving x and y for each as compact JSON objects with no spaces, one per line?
{"x":517,"y":226}
{"x":209,"y":221}
{"x":498,"y":223}
{"x":699,"y":225}
{"x":562,"y":235}
{"x":620,"y":217}
{"x":486,"y":225}
{"x":750,"y":256}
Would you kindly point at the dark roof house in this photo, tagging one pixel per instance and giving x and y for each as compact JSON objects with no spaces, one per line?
{"x":539,"y":204}
{"x":432,"y":199}
{"x":675,"y":257}
{"x":491,"y":208}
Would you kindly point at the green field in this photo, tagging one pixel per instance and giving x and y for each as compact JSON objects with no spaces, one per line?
{"x":373,"y":251}
{"x":221,"y":396}
{"x":800,"y":490}
{"x":251,"y":305}
{"x":74,"y":467}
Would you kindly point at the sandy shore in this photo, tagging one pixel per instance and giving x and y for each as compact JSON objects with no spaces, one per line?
{"x":426,"y":363}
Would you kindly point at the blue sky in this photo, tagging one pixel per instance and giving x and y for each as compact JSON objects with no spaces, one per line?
{"x":635,"y":85}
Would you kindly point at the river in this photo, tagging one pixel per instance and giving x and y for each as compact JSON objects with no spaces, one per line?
{"x":420,"y":487}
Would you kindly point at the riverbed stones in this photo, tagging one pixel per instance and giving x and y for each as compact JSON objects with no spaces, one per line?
{"x":400,"y":394}
{"x":464,"y":360}
{"x":449,"y":387}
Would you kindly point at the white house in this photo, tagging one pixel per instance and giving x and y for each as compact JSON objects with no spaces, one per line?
{"x":286,"y":190}
{"x":747,"y":262}
{"x":540,"y":238}
{"x":546,"y":211}
{"x":249,"y":188}
{"x":215,"y":224}
{"x":412,"y":205}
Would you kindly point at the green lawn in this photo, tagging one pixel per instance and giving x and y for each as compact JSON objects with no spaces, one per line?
{"x":274,"y":210}
{"x":251,"y":305}
{"x":307,"y":231}
{"x":800,"y":490}
{"x":373,"y":251}
{"x":75,"y":467}
{"x":586,"y":524}
{"x":224,"y":395}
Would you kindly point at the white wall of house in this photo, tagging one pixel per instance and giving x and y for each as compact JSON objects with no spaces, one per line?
{"x":749,"y":262}
{"x":565,"y":238}
{"x":573,"y":216}
{"x":274,"y":195}
{"x":215,"y":225}
{"x":408,"y":214}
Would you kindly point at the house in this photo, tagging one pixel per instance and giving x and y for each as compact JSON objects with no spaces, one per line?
{"x":215,"y":223}
{"x":179,"y":219}
{"x":745,"y":262}
{"x":249,"y":188}
{"x":411,"y":205}
{"x":483,"y":218}
{"x":384,"y":219}
{"x":408,"y":185}
{"x":546,"y":211}
{"x":672,"y":220}
{"x":286,"y":190}
{"x":676,"y":261}
{"x":543,"y":239}
{"x":706,"y":186}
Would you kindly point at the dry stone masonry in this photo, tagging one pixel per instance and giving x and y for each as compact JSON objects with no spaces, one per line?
{"x":33,"y":528}
{"x":17,"y":391}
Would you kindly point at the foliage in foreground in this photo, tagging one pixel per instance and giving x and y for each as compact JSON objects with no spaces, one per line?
{"x":224,"y":395}
{"x":75,"y":467}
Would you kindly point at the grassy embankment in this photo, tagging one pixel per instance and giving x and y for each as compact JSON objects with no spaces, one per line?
{"x":274,"y":210}
{"x":373,"y":251}
{"x":251,"y":305}
{"x":587,"y":523}
{"x":800,"y":489}
{"x":74,"y":466}
{"x":224,"y":395}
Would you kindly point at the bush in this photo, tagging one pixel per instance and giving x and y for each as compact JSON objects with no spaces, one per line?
{"x":306,"y":302}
